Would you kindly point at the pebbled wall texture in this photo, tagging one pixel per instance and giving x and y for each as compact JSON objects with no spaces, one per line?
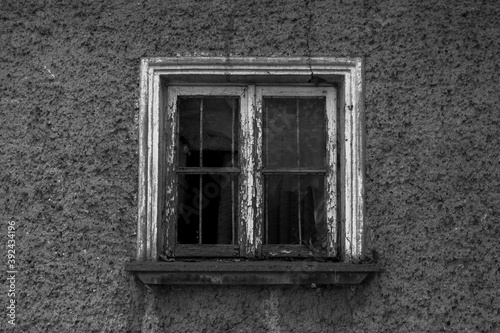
{"x":69,"y":93}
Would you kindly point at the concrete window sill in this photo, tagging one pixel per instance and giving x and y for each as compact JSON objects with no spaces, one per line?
{"x":250,"y":272}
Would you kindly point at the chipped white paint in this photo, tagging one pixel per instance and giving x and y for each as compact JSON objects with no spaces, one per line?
{"x":153,"y":193}
{"x":247,"y":189}
{"x":143,"y":164}
{"x":150,"y":202}
{"x":331,"y":177}
{"x":347,"y":145}
{"x":259,"y":189}
{"x":354,"y":168}
{"x":345,"y":71}
{"x":170,"y":199}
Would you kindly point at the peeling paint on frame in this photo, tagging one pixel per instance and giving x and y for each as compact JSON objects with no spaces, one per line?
{"x":349,"y":73}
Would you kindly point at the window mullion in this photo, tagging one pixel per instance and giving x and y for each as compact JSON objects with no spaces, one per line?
{"x":248,"y":193}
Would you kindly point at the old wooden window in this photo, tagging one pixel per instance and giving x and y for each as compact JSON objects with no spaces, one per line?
{"x":251,"y":157}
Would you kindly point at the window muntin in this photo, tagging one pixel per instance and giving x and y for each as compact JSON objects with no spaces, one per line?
{"x":157,"y":201}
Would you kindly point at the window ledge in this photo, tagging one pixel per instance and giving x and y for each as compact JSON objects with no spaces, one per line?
{"x":250,"y":273}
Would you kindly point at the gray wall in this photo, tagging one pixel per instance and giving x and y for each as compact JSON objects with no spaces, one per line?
{"x":68,"y":177}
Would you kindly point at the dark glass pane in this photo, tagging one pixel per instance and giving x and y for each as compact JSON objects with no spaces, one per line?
{"x":189,"y":132}
{"x":294,"y":203}
{"x":280,"y":132}
{"x":294,"y":132}
{"x":313,"y":213}
{"x":282,"y":209}
{"x":218,"y":204}
{"x":219,"y":139}
{"x":220,"y":131}
{"x":312,"y":132}
{"x":188,"y":209}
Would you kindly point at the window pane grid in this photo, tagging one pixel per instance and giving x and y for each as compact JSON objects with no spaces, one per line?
{"x":207,"y":170}
{"x":294,"y":211}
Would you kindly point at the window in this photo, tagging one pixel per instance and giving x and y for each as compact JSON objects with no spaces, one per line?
{"x":251,"y":157}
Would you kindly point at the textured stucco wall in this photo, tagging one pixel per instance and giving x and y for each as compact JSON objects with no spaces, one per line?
{"x":68,"y":161}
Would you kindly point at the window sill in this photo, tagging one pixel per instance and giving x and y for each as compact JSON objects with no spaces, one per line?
{"x":250,"y":272}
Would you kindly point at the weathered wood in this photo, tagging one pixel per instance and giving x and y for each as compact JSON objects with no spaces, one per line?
{"x":259,"y":186}
{"x":153,"y":192}
{"x":170,"y":172}
{"x":151,"y":204}
{"x":155,"y":160}
{"x":354,"y":168}
{"x":142,"y":217}
{"x":247,"y":183}
{"x":358,"y":105}
{"x":296,"y":171}
{"x":207,"y":170}
{"x":207,"y":250}
{"x":348,"y":173}
{"x":162,"y":165}
{"x":292,"y":251}
{"x":331,"y":178}
{"x":242,"y":265}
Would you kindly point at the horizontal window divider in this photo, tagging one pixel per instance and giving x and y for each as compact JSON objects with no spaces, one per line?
{"x":292,"y":250}
{"x":207,"y":170}
{"x":297,"y":171}
{"x":207,"y":250}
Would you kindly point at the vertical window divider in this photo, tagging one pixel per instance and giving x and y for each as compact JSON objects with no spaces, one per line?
{"x":258,"y":177}
{"x":248,"y":193}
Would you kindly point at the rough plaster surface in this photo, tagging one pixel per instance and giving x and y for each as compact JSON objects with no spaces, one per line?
{"x":69,"y":105}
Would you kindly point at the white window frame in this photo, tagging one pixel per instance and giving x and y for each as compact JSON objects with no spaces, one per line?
{"x":157,"y":196}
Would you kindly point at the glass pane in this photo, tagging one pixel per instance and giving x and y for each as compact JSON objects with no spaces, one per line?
{"x":295,"y":210}
{"x":280,"y":132}
{"x":189,"y":132}
{"x":312,"y":133}
{"x":294,"y":132}
{"x":220,"y":131}
{"x":217,"y":202}
{"x":313,"y":213}
{"x":188,"y":209}
{"x":218,"y":136}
